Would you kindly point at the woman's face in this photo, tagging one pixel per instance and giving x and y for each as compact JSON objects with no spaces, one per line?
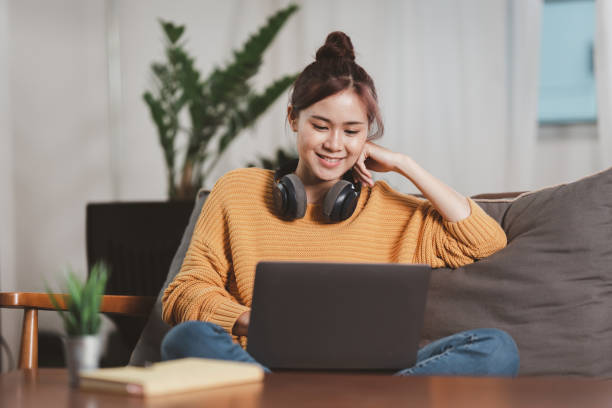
{"x":330,"y":136}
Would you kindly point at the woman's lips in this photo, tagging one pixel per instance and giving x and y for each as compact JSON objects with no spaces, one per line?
{"x":328,"y":162}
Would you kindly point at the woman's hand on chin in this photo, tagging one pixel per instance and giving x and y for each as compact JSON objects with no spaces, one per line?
{"x":376,"y":158}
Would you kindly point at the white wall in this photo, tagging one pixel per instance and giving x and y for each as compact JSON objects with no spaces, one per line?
{"x":8,"y":321}
{"x":60,"y":130}
{"x":565,"y":153}
{"x":57,"y":144}
{"x":57,"y":150}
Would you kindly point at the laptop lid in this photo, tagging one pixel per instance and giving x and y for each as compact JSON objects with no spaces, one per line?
{"x":337,"y":316}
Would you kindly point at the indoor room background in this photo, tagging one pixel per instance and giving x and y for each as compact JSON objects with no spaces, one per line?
{"x":487,"y":95}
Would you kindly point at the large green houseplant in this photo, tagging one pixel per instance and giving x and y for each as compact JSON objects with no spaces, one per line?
{"x":218,"y":107}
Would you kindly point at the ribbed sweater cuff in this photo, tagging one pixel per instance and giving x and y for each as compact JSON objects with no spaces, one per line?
{"x":478,"y":229}
{"x":226,"y":314}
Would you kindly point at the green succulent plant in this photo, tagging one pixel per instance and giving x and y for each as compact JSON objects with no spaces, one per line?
{"x":82,"y":302}
{"x":218,"y":107}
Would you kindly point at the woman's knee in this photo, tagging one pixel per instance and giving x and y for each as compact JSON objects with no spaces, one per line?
{"x":501,"y":355}
{"x":192,"y":338}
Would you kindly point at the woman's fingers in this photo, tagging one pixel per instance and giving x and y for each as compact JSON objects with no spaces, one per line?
{"x":360,"y":168}
{"x":377,"y":158}
{"x":358,"y":172}
{"x":364,"y":169}
{"x":363,"y":176}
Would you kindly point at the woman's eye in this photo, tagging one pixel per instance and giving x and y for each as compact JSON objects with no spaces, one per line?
{"x":352,"y":132}
{"x":319,"y":127}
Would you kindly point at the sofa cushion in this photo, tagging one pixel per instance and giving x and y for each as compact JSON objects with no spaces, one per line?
{"x":550,"y":288}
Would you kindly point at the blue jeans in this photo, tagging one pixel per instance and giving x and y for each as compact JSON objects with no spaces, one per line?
{"x":480,"y":352}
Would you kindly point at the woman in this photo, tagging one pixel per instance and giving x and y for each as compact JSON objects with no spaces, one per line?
{"x":255,"y":214}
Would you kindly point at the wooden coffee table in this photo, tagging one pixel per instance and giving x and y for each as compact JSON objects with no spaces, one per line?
{"x":48,"y":388}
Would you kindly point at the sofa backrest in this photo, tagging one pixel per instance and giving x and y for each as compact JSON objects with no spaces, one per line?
{"x":550,"y":288}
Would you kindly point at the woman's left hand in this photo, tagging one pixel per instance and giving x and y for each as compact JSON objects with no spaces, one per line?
{"x":376,"y":158}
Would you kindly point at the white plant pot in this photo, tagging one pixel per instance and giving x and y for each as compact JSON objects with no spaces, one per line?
{"x":82,"y":354}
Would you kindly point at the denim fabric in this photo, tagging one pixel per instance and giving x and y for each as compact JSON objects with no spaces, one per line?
{"x":205,"y":340}
{"x":480,"y":352}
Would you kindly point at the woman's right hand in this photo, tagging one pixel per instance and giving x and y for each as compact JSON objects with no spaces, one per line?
{"x":241,"y":327}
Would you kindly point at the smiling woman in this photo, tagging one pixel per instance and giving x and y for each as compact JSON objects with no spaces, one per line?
{"x":333,"y":109}
{"x":330,"y":137}
{"x":326,"y":207}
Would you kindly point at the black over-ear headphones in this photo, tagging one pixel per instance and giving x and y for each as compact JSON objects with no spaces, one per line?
{"x":290,"y":197}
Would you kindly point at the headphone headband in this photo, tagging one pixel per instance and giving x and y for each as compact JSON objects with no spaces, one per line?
{"x":291,"y":166}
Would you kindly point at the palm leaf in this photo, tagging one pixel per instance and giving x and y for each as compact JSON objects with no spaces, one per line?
{"x":218,"y":107}
{"x":228,"y":83}
{"x":256,"y":105}
{"x":173,"y":32}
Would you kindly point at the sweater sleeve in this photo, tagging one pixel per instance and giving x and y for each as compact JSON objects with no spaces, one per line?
{"x":198,"y":292}
{"x":454,"y":244}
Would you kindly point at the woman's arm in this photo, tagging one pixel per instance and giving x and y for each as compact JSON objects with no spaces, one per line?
{"x":449,"y":203}
{"x":453,"y":230}
{"x":199,"y":291}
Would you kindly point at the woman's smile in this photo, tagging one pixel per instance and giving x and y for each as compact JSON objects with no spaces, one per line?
{"x":329,"y":162}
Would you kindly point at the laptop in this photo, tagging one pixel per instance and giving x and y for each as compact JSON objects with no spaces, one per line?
{"x":337,"y":316}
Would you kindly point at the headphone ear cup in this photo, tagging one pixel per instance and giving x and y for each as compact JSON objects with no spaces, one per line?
{"x":340,"y":201}
{"x":290,"y":197}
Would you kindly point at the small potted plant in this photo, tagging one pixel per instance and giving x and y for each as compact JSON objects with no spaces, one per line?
{"x":82,"y":344}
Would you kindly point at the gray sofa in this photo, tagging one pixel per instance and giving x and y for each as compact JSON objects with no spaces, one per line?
{"x":550,"y":288}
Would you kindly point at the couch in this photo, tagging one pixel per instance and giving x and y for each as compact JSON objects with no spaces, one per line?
{"x":550,"y":287}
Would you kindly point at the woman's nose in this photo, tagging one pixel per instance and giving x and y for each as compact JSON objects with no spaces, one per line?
{"x":334,"y":140}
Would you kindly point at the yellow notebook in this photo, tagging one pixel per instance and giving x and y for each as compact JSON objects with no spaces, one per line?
{"x":186,"y":374}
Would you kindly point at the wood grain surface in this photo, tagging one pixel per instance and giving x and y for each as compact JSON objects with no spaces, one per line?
{"x":49,"y":388}
{"x":127,"y":305}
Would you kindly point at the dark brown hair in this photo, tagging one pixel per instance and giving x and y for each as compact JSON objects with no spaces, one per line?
{"x":333,"y":71}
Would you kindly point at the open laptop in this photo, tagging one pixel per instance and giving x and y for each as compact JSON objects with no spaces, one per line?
{"x":337,"y":316}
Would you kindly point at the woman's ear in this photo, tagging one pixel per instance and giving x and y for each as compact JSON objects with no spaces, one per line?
{"x":291,"y":119}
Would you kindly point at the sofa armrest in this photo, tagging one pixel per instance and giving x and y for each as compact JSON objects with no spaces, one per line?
{"x":31,"y":303}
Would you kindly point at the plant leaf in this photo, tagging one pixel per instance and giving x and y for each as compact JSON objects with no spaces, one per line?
{"x":173,"y":32}
{"x":83,"y":301}
{"x":219,"y":107}
{"x":228,"y":83}
{"x":75,"y":289}
{"x":56,"y":305}
{"x":256,"y":105}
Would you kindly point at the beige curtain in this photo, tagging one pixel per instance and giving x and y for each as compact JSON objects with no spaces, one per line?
{"x":603,"y":76}
{"x":523,"y":48}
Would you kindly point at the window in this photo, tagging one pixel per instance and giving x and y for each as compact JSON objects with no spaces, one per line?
{"x":567,"y":80}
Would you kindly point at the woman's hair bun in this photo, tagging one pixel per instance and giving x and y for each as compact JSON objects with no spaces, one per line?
{"x":337,"y":46}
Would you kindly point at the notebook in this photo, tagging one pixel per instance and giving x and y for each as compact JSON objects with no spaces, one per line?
{"x":337,"y":316}
{"x":168,"y":377}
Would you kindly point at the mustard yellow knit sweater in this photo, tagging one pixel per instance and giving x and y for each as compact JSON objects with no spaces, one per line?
{"x":238,"y":228}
